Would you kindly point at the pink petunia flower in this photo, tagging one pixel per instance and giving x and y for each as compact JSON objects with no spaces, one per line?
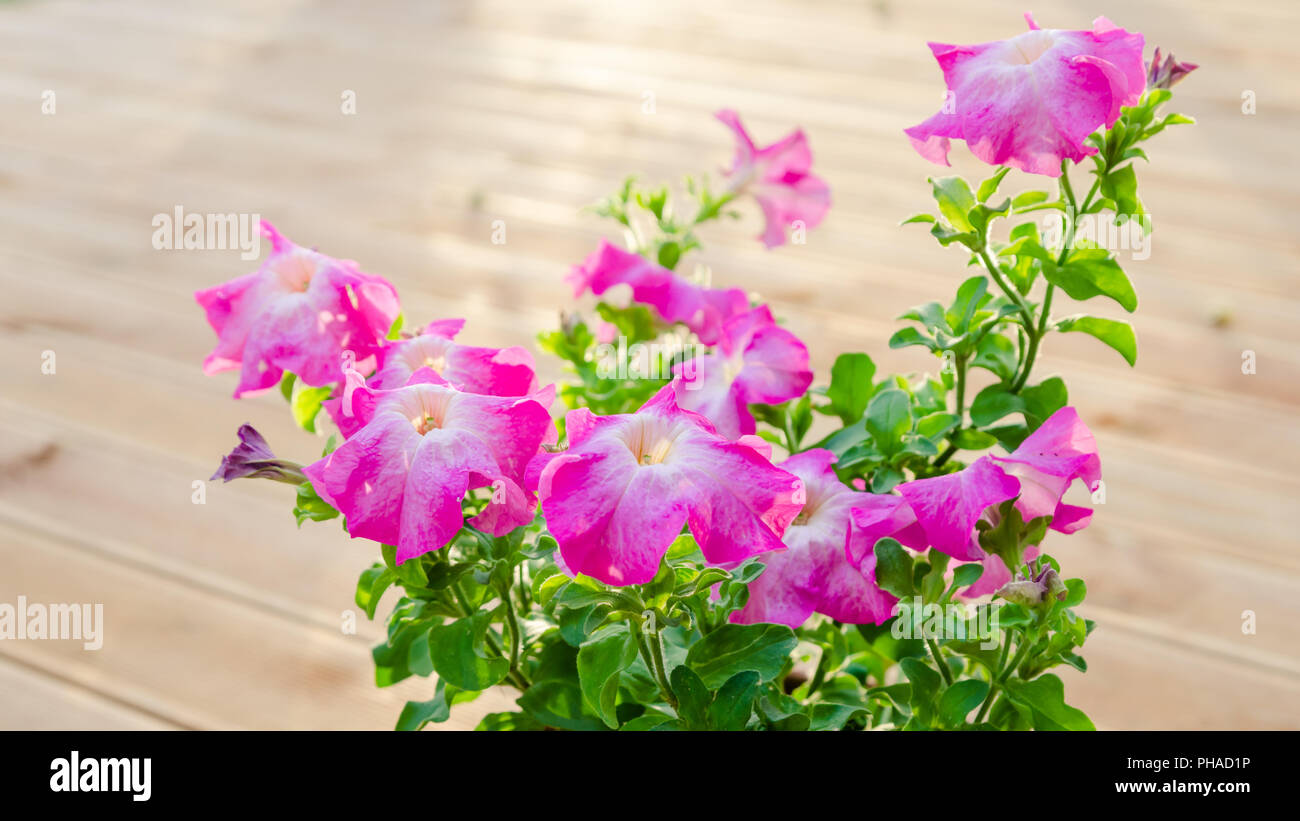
{"x":490,"y":371}
{"x":301,"y":311}
{"x":813,"y":573}
{"x":756,"y":361}
{"x":702,"y":310}
{"x":1032,"y":100}
{"x":780,"y":177}
{"x":941,"y":512}
{"x":414,"y":451}
{"x":618,"y":497}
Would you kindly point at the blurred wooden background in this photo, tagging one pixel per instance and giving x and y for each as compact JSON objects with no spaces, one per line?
{"x":224,"y":615}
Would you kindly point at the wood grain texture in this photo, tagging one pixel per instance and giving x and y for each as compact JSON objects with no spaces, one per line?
{"x":226,"y":615}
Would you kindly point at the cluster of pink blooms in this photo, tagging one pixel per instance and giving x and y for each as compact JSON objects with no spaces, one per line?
{"x":427,"y":419}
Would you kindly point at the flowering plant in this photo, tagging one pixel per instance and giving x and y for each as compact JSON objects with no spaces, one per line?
{"x":681,"y":550}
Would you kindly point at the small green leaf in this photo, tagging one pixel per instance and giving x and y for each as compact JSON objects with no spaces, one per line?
{"x":959,"y":699}
{"x":967,"y":574}
{"x":889,"y":416}
{"x":989,"y":186}
{"x":971,"y":439}
{"x":1045,"y":698}
{"x":559,"y":703}
{"x":305,"y":405}
{"x":906,"y":337}
{"x":993,"y":403}
{"x":453,"y":649}
{"x":692,"y":696}
{"x":735,"y":648}
{"x":955,"y":200}
{"x":1117,"y":334}
{"x":1090,"y":272}
{"x":850,"y":387}
{"x":600,"y":661}
{"x":371,"y":586}
{"x":311,"y":506}
{"x":734,"y":702}
{"x":894,"y":568}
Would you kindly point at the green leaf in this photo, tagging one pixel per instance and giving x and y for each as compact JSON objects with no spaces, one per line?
{"x":925,"y":687}
{"x":456,"y":658}
{"x":993,"y":403}
{"x":395,"y":330}
{"x":955,"y":200}
{"x":734,"y":702}
{"x":967,"y":574}
{"x":648,"y":720}
{"x":909,"y":336}
{"x":831,"y":716}
{"x":1120,"y":185}
{"x":959,"y":699}
{"x":894,"y":568}
{"x":371,"y":586}
{"x":1045,"y":698}
{"x":286,"y":385}
{"x":970,"y":296}
{"x":934,"y":424}
{"x":989,"y":186}
{"x":600,"y":661}
{"x":305,"y":404}
{"x":996,"y":354}
{"x":693,"y":697}
{"x":918,"y":218}
{"x":971,"y":439}
{"x":559,"y":703}
{"x":416,"y":714}
{"x":735,"y":648}
{"x":501,"y":722}
{"x":850,"y":387}
{"x":308,"y":505}
{"x":889,"y":416}
{"x":1043,"y":400}
{"x":1117,"y":334}
{"x":1090,"y":272}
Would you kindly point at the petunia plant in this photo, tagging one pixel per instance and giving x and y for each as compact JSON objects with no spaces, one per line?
{"x":707,"y":538}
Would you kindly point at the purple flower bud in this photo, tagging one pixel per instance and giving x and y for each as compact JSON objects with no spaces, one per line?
{"x":252,"y":457}
{"x":1165,"y":74}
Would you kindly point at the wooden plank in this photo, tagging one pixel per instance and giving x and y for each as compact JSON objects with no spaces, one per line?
{"x":198,"y":659}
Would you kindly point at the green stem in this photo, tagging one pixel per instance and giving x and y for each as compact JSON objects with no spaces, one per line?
{"x":961,"y":412}
{"x":1005,"y":674}
{"x":653,"y":659}
{"x":939,"y":662}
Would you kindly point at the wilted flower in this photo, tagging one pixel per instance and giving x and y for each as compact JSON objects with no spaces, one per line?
{"x":813,"y":573}
{"x":1032,"y":100}
{"x":780,"y":178}
{"x":299,"y":312}
{"x":756,"y":361}
{"x":252,"y":458}
{"x":618,"y":497}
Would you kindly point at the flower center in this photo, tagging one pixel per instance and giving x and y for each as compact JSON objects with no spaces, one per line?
{"x":1030,"y":46}
{"x":651,"y":440}
{"x":295,"y":270}
{"x":427,"y":352}
{"x":425,"y":406}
